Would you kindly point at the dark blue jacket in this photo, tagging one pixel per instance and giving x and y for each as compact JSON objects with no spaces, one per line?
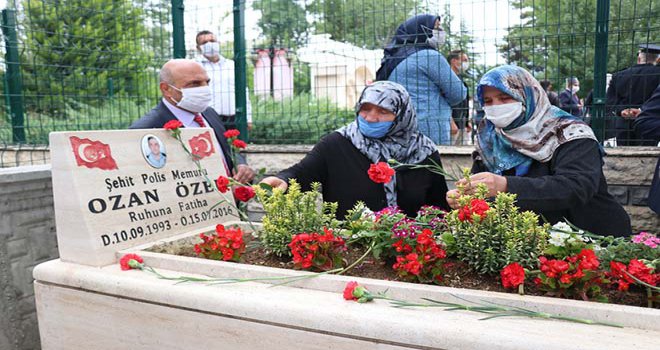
{"x":570,"y":103}
{"x":647,"y":125}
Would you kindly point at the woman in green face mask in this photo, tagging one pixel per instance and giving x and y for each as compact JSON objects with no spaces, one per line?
{"x":385,"y":128}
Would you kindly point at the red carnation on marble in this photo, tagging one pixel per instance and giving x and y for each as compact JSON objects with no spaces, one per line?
{"x":130,"y":261}
{"x":348,"y":291}
{"x":380,"y":173}
{"x":244,"y":193}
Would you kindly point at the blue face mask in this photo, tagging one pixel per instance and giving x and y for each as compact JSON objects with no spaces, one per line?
{"x":373,"y":130}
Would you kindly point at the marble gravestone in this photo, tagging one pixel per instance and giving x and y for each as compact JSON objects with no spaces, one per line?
{"x":118,"y":189}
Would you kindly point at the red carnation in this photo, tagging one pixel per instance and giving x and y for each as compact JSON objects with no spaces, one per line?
{"x":513,"y":275}
{"x":222,"y":183}
{"x":239,"y":144}
{"x":173,"y":125}
{"x":380,"y":173}
{"x":244,"y":193}
{"x":348,"y":291}
{"x":130,"y":261}
{"x":231,"y":133}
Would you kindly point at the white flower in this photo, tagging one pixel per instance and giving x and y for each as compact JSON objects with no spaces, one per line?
{"x":558,"y":238}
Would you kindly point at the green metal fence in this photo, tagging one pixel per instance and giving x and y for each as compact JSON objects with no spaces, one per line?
{"x":93,"y":64}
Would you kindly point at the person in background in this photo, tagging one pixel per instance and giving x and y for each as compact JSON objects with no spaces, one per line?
{"x":460,"y":113}
{"x":221,"y":72}
{"x":628,"y":90}
{"x":186,"y":97}
{"x":569,"y":100}
{"x":550,"y":159}
{"x":385,"y":128}
{"x":412,"y":60}
{"x":647,"y":125}
{"x":552,"y":96}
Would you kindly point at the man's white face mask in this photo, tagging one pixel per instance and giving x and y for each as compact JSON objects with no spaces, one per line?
{"x":503,"y":115}
{"x":195,"y":99}
{"x":210,"y":49}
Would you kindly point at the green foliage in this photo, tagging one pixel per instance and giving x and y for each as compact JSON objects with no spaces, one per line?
{"x":556,"y":39}
{"x":82,"y":53}
{"x":364,"y":23}
{"x":301,"y":119}
{"x":503,"y":236}
{"x":623,"y":250}
{"x":291,"y":213}
{"x":564,"y":241}
{"x":283,"y":23}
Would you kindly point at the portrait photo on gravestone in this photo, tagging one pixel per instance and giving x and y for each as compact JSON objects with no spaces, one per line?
{"x":154,"y":151}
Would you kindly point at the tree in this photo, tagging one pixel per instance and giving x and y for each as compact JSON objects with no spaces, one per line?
{"x":82,"y":52}
{"x":283,"y":23}
{"x":461,"y":40}
{"x":557,"y":39}
{"x":365,"y":23}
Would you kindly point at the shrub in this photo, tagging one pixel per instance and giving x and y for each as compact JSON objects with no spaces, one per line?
{"x":224,"y":244}
{"x":490,"y":236}
{"x":291,"y":213}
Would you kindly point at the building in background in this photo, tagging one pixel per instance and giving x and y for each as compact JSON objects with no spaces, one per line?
{"x":339,"y":71}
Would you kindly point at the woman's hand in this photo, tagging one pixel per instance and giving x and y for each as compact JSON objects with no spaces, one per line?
{"x":452,"y":199}
{"x":494,"y":183}
{"x":275,"y":182}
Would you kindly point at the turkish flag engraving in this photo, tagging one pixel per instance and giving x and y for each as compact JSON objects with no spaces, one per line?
{"x":201,"y":145}
{"x":92,"y":154}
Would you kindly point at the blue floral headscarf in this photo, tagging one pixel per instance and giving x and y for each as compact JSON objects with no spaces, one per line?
{"x":535,"y":134}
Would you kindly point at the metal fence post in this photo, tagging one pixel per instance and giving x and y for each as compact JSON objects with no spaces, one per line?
{"x":178,"y":33}
{"x":600,"y":68}
{"x":240,"y":73}
{"x":14,"y":80}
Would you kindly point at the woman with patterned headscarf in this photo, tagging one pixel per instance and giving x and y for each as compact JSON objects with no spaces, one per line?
{"x":385,"y":128}
{"x":550,"y":159}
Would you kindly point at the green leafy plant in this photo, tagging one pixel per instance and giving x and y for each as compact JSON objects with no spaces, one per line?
{"x":292,"y":213}
{"x":490,"y":236}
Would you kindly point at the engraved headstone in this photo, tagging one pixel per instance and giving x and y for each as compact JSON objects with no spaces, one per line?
{"x":118,"y":189}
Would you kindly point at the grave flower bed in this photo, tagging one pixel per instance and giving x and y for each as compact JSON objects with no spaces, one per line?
{"x":482,"y":245}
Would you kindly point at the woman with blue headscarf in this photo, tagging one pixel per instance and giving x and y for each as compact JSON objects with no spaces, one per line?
{"x":385,"y":128}
{"x":550,"y":159}
{"x":412,"y":60}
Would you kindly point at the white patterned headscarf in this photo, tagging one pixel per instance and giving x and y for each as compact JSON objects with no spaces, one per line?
{"x":402,"y":142}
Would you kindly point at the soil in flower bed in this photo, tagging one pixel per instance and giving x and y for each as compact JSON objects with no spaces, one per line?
{"x":457,"y":274}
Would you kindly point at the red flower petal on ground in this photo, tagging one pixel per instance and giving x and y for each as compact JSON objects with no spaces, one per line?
{"x":380,"y":173}
{"x":231,"y":133}
{"x":512,"y":275}
{"x":173,"y":125}
{"x":244,"y":193}
{"x":125,"y":261}
{"x":239,"y":144}
{"x":348,"y":291}
{"x":222,"y":183}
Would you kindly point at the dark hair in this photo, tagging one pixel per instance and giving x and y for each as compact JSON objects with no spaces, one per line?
{"x":545,"y":84}
{"x":203,"y":32}
{"x":454,"y":54}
